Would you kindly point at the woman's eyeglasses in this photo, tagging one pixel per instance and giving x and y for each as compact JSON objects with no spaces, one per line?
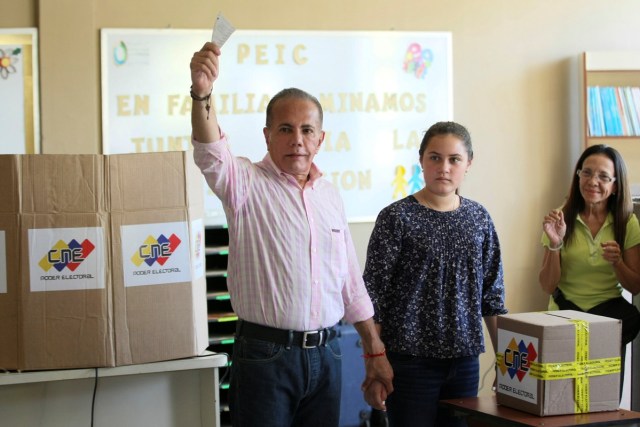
{"x":600,"y":177}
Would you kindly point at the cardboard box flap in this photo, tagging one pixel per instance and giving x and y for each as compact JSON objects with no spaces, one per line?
{"x":156,"y":211}
{"x":10,"y":179}
{"x":196,"y":185}
{"x":147,"y":181}
{"x":65,"y":299}
{"x":199,"y":313}
{"x":62,"y":183}
{"x":9,"y":290}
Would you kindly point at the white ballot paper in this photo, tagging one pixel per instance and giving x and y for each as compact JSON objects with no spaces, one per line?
{"x":222,"y":30}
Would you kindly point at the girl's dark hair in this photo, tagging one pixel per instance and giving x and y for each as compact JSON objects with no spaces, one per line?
{"x":446,"y":128}
{"x":619,"y":203}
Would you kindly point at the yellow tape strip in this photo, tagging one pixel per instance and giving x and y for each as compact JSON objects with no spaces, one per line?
{"x":582,"y":357}
{"x":567,"y":370}
{"x":580,"y":369}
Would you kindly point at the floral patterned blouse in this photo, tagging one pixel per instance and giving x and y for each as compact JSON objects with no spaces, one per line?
{"x":432,"y":276}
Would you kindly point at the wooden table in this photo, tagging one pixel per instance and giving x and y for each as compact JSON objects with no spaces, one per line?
{"x":484,"y":411}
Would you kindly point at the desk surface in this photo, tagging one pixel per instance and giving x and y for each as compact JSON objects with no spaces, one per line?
{"x":206,"y":360}
{"x":172,"y":393}
{"x":486,"y":409}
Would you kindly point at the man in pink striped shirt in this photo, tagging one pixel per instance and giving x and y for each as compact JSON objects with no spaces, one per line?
{"x":292,"y":270}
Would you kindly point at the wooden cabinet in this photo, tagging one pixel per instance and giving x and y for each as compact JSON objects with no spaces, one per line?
{"x":613,"y":70}
{"x":222,"y":319}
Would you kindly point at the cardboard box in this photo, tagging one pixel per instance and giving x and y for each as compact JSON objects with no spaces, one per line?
{"x":66,"y":303}
{"x":558,"y":362}
{"x":64,"y":300}
{"x":8,"y":263}
{"x":160,"y":306}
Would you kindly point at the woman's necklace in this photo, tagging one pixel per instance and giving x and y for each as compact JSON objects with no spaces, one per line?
{"x":426,"y":202}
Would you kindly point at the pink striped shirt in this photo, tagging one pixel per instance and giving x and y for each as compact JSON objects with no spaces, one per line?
{"x":292,"y":263}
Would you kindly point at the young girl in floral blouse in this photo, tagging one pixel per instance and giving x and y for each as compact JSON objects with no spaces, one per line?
{"x":434,"y":271}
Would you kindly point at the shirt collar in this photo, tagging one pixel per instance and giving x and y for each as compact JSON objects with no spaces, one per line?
{"x":607,"y":221}
{"x":314,"y":173}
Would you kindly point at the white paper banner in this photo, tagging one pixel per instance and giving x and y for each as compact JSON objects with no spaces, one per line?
{"x":66,"y":259}
{"x":154,"y":254}
{"x":12,"y":119}
{"x":19,"y":91}
{"x":379,"y":90}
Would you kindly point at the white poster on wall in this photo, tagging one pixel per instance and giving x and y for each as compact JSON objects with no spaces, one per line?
{"x":12,"y":118}
{"x":379,"y":90}
{"x":19,"y":82}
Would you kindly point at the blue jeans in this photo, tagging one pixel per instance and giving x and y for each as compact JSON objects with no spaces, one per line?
{"x":419,"y":383}
{"x":272,"y":386}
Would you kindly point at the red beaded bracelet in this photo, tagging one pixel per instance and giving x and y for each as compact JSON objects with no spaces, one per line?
{"x":370,"y":355}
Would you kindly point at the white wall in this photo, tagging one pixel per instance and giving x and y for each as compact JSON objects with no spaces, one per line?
{"x":515,"y":86}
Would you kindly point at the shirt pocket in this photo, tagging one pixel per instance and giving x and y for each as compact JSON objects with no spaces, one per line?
{"x":339,"y":262}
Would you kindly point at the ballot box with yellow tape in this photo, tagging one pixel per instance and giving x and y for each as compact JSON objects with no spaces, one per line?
{"x":558,"y":362}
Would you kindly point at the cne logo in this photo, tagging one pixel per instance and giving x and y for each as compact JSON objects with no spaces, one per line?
{"x":156,"y":250}
{"x":517,"y":359}
{"x":66,"y":255}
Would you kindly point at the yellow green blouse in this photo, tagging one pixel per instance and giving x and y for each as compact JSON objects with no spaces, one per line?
{"x":586,"y":278}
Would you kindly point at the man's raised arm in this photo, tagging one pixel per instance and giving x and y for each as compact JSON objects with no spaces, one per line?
{"x":204,"y":72}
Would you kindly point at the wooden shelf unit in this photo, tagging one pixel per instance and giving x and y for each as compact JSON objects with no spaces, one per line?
{"x":612,"y":69}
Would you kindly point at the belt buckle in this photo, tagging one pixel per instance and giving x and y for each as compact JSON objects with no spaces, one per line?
{"x":308,"y":333}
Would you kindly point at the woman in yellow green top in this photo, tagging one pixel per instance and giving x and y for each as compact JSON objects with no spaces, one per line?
{"x":592,"y":244}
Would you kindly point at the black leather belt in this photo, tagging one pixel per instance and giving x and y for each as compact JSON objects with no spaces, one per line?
{"x":288,"y":338}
